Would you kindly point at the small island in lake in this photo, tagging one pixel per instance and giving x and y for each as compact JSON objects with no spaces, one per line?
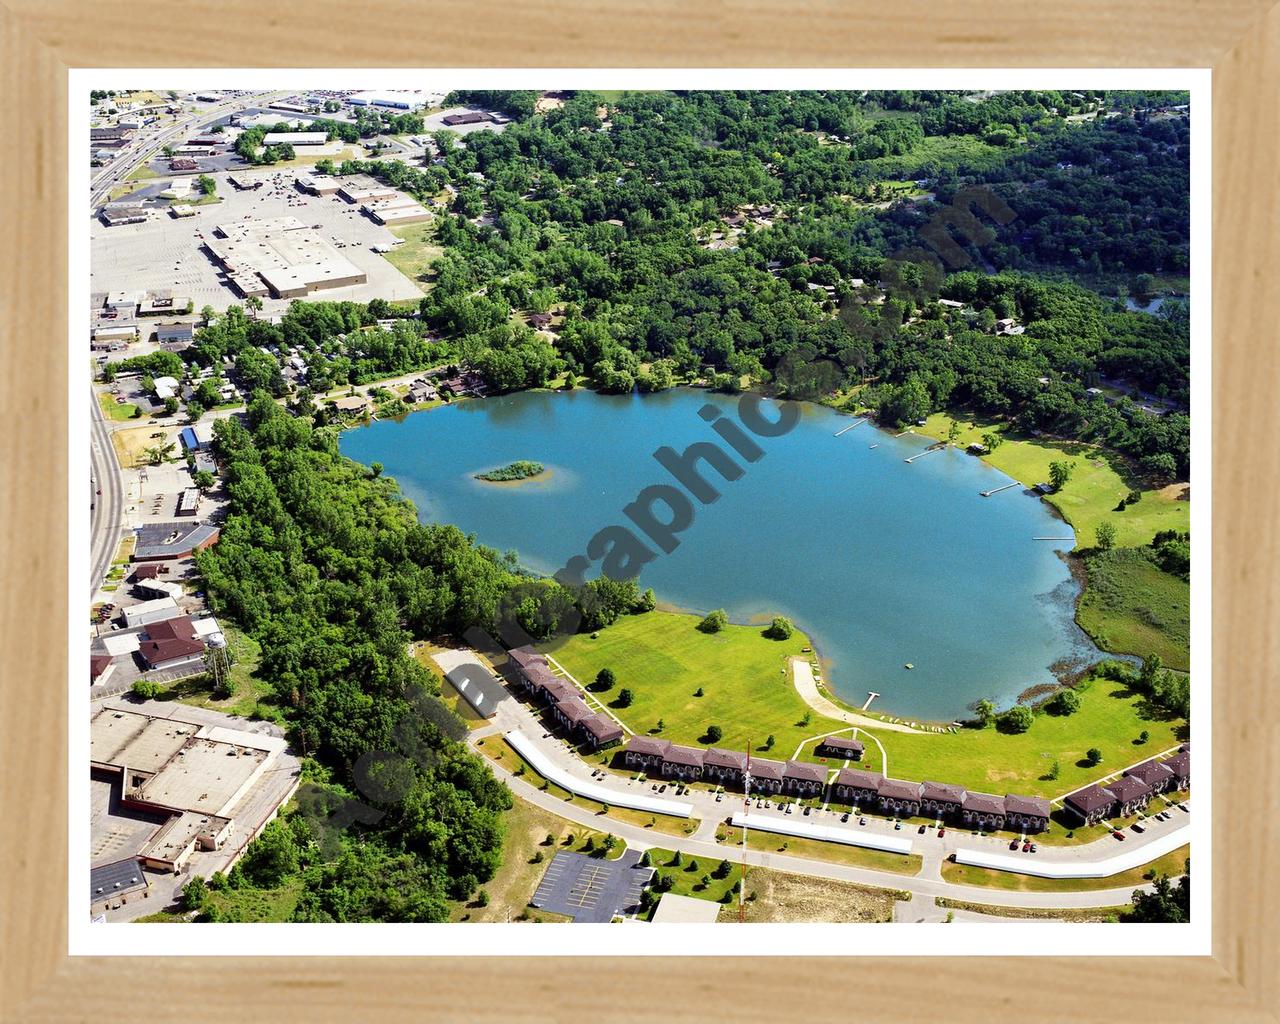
{"x":521,"y":470}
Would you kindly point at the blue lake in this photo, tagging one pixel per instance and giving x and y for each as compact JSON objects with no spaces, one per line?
{"x":881,"y":562}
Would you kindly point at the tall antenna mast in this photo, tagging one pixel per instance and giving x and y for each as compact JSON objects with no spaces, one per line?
{"x":746,"y":808}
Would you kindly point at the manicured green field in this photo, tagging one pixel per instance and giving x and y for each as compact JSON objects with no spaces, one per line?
{"x":1110,"y":718}
{"x":1133,"y":607}
{"x":663,"y":659}
{"x":1096,"y":486}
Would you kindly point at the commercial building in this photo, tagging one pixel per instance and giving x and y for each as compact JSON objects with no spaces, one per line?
{"x":172,"y":644}
{"x":146,"y":613}
{"x":470,"y":117}
{"x":280,"y":256}
{"x":317,"y":184}
{"x":189,"y":501}
{"x":114,"y":214}
{"x":197,"y":437}
{"x":164,"y":541}
{"x":295,"y":139}
{"x":191,"y":779}
{"x":392,"y":99}
{"x":392,"y":216}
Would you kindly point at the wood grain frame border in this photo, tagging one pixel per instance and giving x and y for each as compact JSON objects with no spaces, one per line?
{"x":41,"y":39}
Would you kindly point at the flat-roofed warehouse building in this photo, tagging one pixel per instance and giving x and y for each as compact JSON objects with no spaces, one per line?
{"x":197,"y":777}
{"x":390,"y":216}
{"x":281,"y":254}
{"x":295,"y":138}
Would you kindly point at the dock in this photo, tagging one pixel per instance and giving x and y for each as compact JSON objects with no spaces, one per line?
{"x":905,"y":432}
{"x":850,"y":427}
{"x":871,"y":695}
{"x":921,"y":455}
{"x":1053,"y":538}
{"x":997,"y":490}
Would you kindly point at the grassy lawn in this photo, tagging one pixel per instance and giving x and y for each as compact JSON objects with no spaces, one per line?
{"x":836,"y":853}
{"x":664,"y":659}
{"x":1133,"y":606}
{"x":414,"y":257}
{"x":114,"y":410}
{"x":1171,"y":864}
{"x":526,"y":855}
{"x":1098,"y":481}
{"x":1110,"y":718}
{"x":142,"y":173}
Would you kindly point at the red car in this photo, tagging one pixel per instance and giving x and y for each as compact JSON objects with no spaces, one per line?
{"x":1026,"y":847}
{"x":1119,"y":835}
{"x":941,"y":832}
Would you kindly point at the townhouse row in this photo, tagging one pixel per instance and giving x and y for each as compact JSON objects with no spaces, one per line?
{"x":1130,"y":793}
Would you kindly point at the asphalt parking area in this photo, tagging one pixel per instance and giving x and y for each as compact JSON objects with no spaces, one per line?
{"x":592,"y":890}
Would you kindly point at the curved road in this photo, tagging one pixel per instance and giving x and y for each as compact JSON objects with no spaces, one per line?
{"x":642,"y":838}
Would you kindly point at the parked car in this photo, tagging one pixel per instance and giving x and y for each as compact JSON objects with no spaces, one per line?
{"x":897,"y":826}
{"x":1026,"y":847}
{"x":845,"y":816}
{"x":1013,"y":845}
{"x":921,"y":832}
{"x":862,"y":821}
{"x":941,"y":832}
{"x":1119,"y":835}
{"x":807,"y":810}
{"x":1033,"y":847}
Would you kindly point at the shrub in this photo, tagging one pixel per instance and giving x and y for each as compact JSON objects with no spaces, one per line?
{"x":1017,"y":719}
{"x":714,"y":622}
{"x":780,"y":629}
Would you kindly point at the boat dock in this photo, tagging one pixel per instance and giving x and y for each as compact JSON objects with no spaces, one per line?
{"x":1053,"y":538}
{"x":850,"y":427}
{"x":921,"y":455}
{"x":871,"y":695}
{"x":997,"y":490}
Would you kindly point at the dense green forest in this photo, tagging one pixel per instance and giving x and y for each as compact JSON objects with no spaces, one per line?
{"x":766,"y":240}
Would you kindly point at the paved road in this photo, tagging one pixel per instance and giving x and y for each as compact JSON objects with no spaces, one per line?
{"x":642,"y":838}
{"x":147,"y":144}
{"x":108,"y":507}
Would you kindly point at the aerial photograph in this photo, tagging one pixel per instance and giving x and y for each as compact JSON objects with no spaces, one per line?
{"x":553,"y":506}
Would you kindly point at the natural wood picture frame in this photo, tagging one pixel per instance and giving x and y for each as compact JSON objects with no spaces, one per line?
{"x":1239,"y":39}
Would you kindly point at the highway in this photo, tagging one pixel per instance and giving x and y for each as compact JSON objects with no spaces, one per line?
{"x":107,"y":516}
{"x":145,"y":143}
{"x":108,"y":507}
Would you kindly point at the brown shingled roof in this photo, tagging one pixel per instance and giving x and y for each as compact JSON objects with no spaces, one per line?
{"x":858,"y":779}
{"x":1031,"y":805}
{"x":983,"y":803}
{"x":1090,"y":798}
{"x":683,"y":755}
{"x":942,"y":791}
{"x":764,"y":768}
{"x":725,"y":758}
{"x":805,"y":770}
{"x":602,"y":728}
{"x":896,"y":789}
{"x":647,"y":746}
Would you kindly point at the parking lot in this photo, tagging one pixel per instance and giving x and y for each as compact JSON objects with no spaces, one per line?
{"x":165,"y":252}
{"x":590,"y":889}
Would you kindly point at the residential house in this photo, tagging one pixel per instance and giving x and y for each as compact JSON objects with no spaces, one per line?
{"x":844,"y":747}
{"x":1026,"y":814}
{"x":767,"y":776}
{"x":569,"y":713}
{"x":600,"y":731}
{"x":941,"y":799}
{"x":983,"y":811}
{"x":1180,"y":766}
{"x":684,"y":763}
{"x":644,"y":752}
{"x":1089,"y":805}
{"x":1155,"y":774}
{"x":1132,"y":795}
{"x":804,"y":778}
{"x":899,"y":798}
{"x":726,"y":767}
{"x":855,"y":787}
